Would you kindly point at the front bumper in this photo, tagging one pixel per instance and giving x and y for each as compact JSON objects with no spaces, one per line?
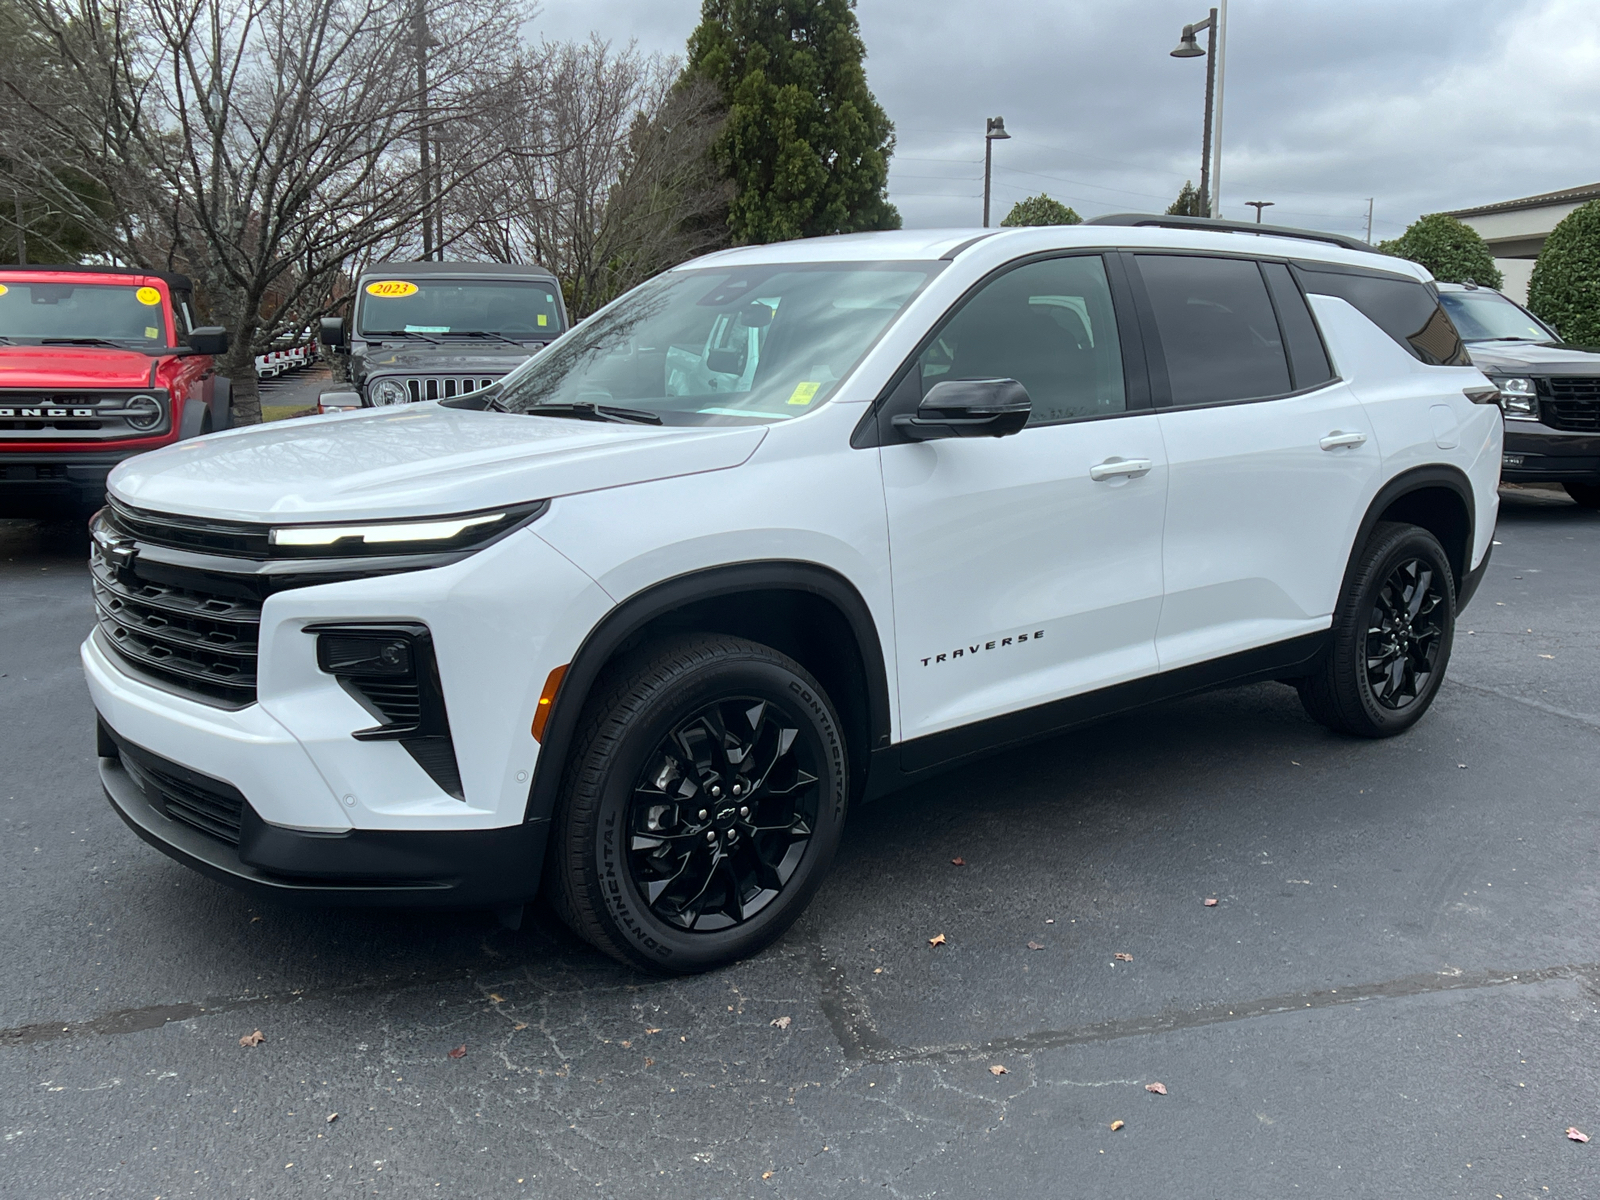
{"x":49,"y":484}
{"x":471,"y":868}
{"x":1535,"y":453}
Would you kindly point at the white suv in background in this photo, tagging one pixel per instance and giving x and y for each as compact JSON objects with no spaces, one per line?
{"x":779,"y":531}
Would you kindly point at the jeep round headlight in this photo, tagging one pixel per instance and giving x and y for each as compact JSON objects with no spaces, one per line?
{"x":142,"y":412}
{"x":1519,"y":398}
{"x":390,"y":391}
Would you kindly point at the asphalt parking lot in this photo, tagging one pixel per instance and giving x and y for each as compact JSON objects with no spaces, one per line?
{"x":1397,"y":994}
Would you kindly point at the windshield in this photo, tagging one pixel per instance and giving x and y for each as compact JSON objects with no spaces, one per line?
{"x":92,"y":312}
{"x":520,"y":310}
{"x":736,"y":345}
{"x":1486,"y":316}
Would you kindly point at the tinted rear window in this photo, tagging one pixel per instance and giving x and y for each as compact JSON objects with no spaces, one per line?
{"x":1218,"y":332}
{"x":1406,"y":309}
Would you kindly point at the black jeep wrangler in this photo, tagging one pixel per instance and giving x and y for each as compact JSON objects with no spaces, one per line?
{"x":433,"y":330}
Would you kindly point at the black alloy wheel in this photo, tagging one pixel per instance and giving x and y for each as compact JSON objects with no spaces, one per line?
{"x":703,"y":801}
{"x":1404,"y":635}
{"x":1390,"y":640}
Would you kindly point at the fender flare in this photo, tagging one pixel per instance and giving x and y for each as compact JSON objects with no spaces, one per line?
{"x":1404,"y":484}
{"x":638,"y":610}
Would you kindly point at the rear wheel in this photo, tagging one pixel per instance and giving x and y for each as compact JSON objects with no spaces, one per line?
{"x":702,"y":806}
{"x":1391,"y":637}
{"x":1587,"y":495}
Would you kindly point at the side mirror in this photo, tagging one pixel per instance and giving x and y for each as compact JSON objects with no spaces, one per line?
{"x":332,"y":402}
{"x":968,"y":408}
{"x":209,"y":339}
{"x":332,"y":332}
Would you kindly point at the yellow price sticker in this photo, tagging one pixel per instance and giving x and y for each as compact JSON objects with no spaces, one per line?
{"x":3,"y":289}
{"x":804,"y":393}
{"x":151,"y":332}
{"x":543,"y":320}
{"x":392,"y":288}
{"x":148,"y":295}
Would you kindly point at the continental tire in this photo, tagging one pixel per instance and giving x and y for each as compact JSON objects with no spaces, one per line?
{"x":1390,"y":641}
{"x":701,"y":807}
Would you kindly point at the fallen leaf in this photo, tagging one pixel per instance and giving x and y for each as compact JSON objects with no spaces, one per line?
{"x":497,"y":998}
{"x":1121,"y":957}
{"x":459,"y":1052}
{"x":766,"y":1174}
{"x":652,"y":1031}
{"x":1116,"y":1125}
{"x":253,"y":1039}
{"x":1577,"y":1136}
{"x":781,"y":1022}
{"x":1035,"y":945}
{"x":332,"y":1117}
{"x":958,"y":862}
{"x":1210,"y":902}
{"x":1547,"y":656}
{"x":519,"y":1025}
{"x":1159,"y":1089}
{"x":877,"y":970}
{"x":1049,"y":920}
{"x":997,"y":1069}
{"x":936,"y":940}
{"x":649,"y":1062}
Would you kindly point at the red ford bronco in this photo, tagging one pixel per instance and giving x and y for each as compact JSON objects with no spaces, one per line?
{"x":97,"y":364}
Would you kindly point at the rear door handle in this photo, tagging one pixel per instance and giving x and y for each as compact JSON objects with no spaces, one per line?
{"x":1336,"y":439}
{"x":1113,"y":467}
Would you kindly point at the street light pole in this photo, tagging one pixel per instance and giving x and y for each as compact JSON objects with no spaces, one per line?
{"x":420,"y":31}
{"x":1187,"y":48}
{"x":1258,"y":205}
{"x":994,"y":131}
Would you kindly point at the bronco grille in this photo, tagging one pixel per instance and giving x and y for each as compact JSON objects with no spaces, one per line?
{"x":91,"y":416}
{"x":1573,"y":404}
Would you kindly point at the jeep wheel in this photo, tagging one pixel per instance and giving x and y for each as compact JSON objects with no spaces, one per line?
{"x":1585,"y":495}
{"x":1391,"y":637}
{"x":702,"y":805}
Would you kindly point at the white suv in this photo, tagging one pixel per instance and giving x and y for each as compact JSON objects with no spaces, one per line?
{"x":779,"y":531}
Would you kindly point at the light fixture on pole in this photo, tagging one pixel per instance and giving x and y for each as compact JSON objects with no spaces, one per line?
{"x":1258,"y":205}
{"x":1210,"y":146}
{"x":994,"y":131}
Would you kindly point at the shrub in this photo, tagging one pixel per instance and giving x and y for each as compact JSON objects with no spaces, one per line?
{"x":1565,"y":289}
{"x":1041,"y":210}
{"x":1452,"y":251}
{"x":1189,"y":202}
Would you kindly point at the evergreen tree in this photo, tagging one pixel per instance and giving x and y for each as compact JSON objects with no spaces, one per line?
{"x":1565,"y":289}
{"x":806,"y":145}
{"x":1188,"y":203}
{"x":1041,"y":210}
{"x":1453,"y":252}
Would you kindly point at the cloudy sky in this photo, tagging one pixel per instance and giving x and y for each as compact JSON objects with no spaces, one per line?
{"x":1422,"y":104}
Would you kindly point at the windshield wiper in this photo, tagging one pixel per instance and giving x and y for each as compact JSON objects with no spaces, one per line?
{"x":583,"y":410}
{"x":1515,"y":338}
{"x":81,"y":342}
{"x":483,"y":333}
{"x":401,"y":333}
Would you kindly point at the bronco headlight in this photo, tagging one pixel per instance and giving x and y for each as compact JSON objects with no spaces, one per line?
{"x":390,"y":391}
{"x":1519,"y":398}
{"x":418,"y":535}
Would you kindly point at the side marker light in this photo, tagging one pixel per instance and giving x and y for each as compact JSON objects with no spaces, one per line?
{"x":547,"y":700}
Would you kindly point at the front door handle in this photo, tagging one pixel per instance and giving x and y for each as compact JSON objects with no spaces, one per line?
{"x":1113,"y":467}
{"x":1336,"y":439}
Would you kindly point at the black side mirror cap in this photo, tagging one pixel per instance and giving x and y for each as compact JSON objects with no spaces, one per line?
{"x":209,"y":339}
{"x":332,"y":331}
{"x":968,"y":408}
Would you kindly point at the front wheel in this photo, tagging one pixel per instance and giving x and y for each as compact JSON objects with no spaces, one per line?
{"x":702,"y":805}
{"x":1391,"y":637}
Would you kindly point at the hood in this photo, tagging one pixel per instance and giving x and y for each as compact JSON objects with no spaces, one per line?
{"x":446,"y":358}
{"x":414,"y":460}
{"x":74,"y":367}
{"x":1537,"y":358}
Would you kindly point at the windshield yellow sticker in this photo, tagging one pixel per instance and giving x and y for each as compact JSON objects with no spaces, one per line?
{"x":3,"y":289}
{"x":543,"y":320}
{"x":392,"y":288}
{"x":151,"y":332}
{"x":804,"y":393}
{"x":148,"y":295}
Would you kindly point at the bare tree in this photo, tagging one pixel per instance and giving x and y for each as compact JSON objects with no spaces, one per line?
{"x":605,"y":175}
{"x":256,"y":144}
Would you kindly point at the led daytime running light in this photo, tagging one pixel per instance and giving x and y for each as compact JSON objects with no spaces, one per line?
{"x":376,"y":535}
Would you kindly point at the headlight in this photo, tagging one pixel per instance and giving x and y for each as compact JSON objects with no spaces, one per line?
{"x":428,"y":535}
{"x":142,"y":412}
{"x":390,"y":391}
{"x":1519,"y":398}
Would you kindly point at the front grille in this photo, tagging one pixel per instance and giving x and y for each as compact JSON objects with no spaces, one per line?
{"x":209,"y":805}
{"x":190,"y":533}
{"x":188,"y":638}
{"x":1573,"y":404}
{"x":91,"y":416}
{"x":441,"y":387}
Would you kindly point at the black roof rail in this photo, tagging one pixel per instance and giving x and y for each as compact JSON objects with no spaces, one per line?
{"x":1219,"y":225}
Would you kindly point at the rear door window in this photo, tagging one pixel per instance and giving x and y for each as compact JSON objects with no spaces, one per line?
{"x":1218,"y":333}
{"x":1406,"y":309}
